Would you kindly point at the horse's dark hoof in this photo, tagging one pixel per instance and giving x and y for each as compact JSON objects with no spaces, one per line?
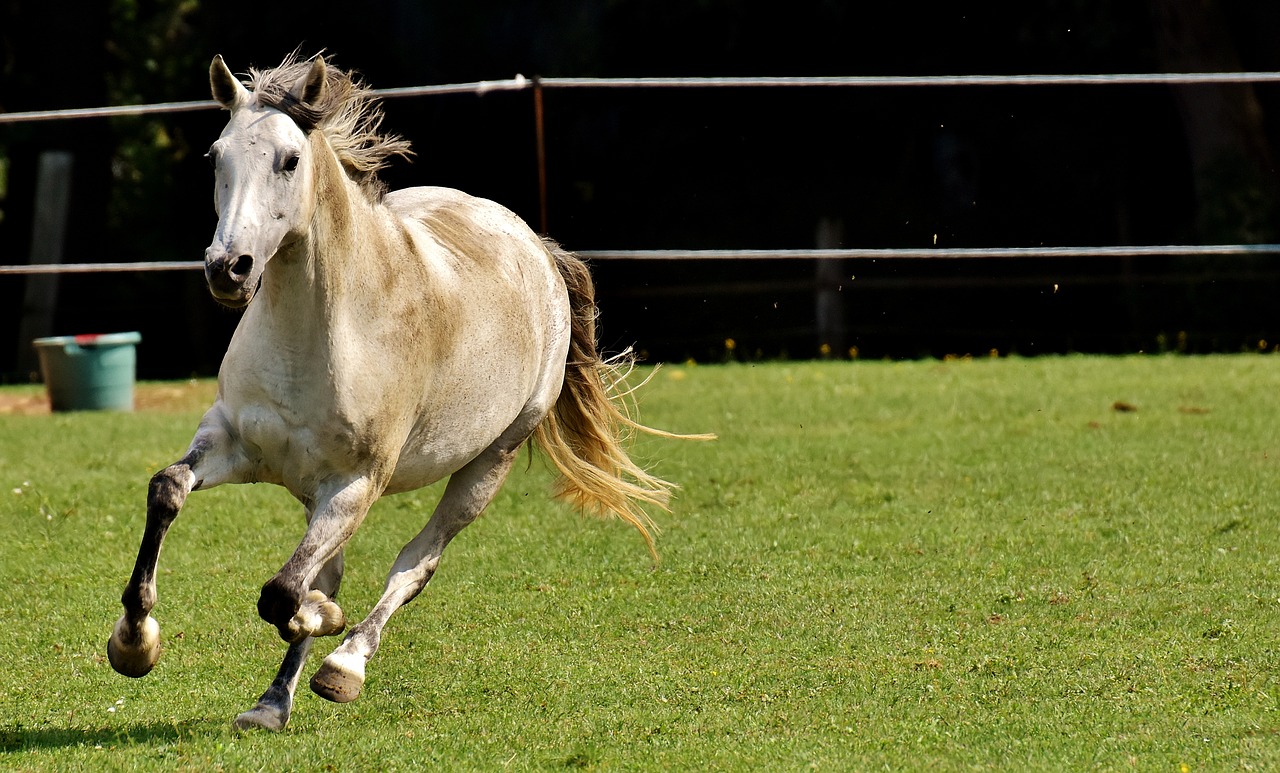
{"x":339,"y":679}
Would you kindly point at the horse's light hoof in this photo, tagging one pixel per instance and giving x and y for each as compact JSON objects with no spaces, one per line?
{"x":318,"y":616}
{"x":134,"y":653}
{"x":337,"y":680}
{"x":261,"y":717}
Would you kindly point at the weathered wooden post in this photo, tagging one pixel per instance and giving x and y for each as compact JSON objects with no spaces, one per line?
{"x":828,"y":274}
{"x":48,"y":232}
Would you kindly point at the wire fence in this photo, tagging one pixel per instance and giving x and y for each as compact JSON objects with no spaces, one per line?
{"x":962,"y":253}
{"x":521,"y":83}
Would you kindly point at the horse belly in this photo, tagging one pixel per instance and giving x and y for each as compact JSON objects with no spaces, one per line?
{"x":413,"y":471}
{"x":440,"y":448}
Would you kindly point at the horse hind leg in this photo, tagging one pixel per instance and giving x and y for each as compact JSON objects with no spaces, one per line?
{"x":341,"y":677}
{"x":273,"y":709}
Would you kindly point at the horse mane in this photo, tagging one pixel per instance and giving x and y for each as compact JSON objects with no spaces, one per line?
{"x":347,"y":113}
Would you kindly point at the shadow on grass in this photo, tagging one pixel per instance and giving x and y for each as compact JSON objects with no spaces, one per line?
{"x":14,"y":738}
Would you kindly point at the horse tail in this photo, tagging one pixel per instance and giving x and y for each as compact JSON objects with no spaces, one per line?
{"x":587,"y":432}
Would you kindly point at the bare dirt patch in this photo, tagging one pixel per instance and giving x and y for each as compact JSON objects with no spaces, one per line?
{"x":12,"y":402}
{"x":160,"y":396}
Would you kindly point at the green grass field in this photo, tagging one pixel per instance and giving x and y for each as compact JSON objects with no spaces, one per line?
{"x":953,"y":565}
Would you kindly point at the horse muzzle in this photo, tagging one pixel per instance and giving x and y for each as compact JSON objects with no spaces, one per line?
{"x":229,"y":279}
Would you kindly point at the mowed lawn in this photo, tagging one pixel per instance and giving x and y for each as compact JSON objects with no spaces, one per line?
{"x":1014,"y":564}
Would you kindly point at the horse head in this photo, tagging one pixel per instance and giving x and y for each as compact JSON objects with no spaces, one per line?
{"x":262,"y":190}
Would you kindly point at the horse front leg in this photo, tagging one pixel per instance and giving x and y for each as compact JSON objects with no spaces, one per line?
{"x":273,"y":709}
{"x":134,"y":646}
{"x":315,"y":615}
{"x":292,"y":600}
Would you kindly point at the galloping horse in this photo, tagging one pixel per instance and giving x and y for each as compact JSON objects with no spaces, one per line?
{"x":389,"y":340}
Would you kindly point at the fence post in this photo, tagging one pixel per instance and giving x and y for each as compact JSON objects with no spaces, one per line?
{"x":539,"y":129}
{"x":48,"y":229}
{"x":828,"y":273}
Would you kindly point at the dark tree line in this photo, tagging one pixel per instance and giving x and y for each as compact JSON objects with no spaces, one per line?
{"x":709,"y":169}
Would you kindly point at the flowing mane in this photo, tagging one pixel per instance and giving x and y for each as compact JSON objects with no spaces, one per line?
{"x":347,"y":113}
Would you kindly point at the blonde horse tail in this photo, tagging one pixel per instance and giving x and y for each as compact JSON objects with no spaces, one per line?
{"x":587,"y":432}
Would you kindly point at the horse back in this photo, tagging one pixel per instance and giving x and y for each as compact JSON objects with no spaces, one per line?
{"x":476,"y":233}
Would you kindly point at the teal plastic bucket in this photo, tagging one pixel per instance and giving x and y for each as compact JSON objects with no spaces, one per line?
{"x":89,"y":372}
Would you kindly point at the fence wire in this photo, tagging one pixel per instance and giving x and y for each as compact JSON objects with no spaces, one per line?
{"x":521,"y":83}
{"x":886,"y":254}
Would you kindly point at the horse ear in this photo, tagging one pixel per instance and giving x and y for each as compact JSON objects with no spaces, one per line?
{"x":310,"y":89}
{"x":227,"y":90}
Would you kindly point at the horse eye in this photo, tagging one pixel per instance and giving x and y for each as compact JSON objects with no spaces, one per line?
{"x":290,"y":164}
{"x":212,"y":155}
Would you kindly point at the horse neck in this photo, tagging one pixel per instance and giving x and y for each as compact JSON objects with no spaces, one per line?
{"x":321,"y":273}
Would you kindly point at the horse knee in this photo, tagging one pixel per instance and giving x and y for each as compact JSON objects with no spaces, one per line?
{"x":169,"y":489}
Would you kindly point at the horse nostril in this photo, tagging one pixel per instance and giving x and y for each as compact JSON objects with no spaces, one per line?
{"x":241,"y":266}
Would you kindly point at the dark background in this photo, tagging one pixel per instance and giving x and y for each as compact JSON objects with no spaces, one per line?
{"x":727,"y":168}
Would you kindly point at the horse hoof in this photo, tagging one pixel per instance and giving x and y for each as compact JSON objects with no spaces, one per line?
{"x":318,"y":616}
{"x":134,"y":653}
{"x":261,"y":717}
{"x":337,"y":681}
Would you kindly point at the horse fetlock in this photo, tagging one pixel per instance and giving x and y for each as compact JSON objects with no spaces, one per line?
{"x":340,"y":678}
{"x":134,"y":649}
{"x":278,"y":602}
{"x":138,"y":600}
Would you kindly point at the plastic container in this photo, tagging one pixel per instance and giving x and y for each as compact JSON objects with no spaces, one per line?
{"x":89,"y":372}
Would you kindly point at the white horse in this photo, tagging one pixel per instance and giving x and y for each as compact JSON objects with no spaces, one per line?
{"x":388,"y":340}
